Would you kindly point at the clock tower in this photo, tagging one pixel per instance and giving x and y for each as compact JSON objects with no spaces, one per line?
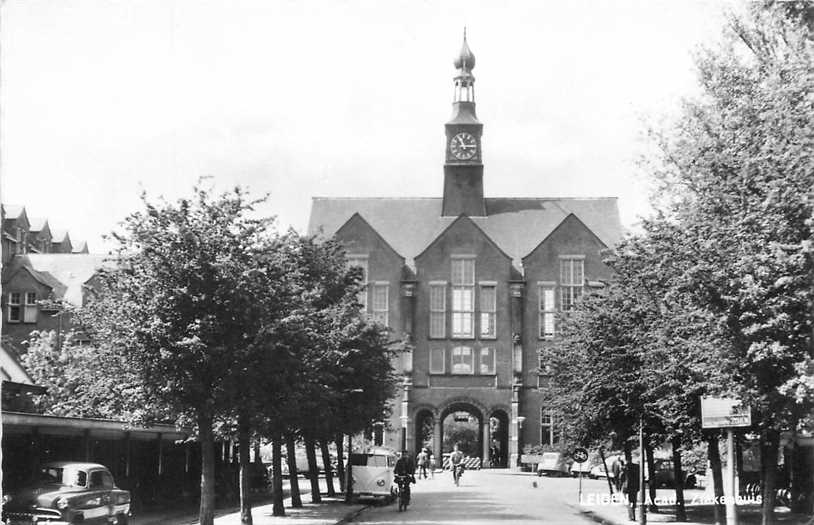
{"x":463,"y":168}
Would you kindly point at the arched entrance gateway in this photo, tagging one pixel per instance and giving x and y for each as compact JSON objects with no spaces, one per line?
{"x":479,"y":432}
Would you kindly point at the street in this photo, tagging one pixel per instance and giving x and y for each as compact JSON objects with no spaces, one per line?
{"x":488,"y":496}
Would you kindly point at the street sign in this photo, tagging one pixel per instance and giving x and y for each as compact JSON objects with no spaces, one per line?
{"x":580,"y":455}
{"x":724,"y":412}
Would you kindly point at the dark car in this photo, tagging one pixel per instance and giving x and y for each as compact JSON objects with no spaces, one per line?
{"x":665,"y":475}
{"x":68,"y":492}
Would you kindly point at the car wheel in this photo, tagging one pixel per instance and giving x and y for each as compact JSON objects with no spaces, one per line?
{"x":121,"y":519}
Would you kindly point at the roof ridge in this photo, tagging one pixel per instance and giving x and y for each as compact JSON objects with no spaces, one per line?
{"x":377,"y":198}
{"x":487,"y":198}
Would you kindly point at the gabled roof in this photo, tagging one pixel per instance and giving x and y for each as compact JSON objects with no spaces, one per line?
{"x":81,"y":247}
{"x":12,"y":211}
{"x":38,"y":224}
{"x":15,"y":213}
{"x":463,"y":219}
{"x":66,"y":274}
{"x":516,"y":225}
{"x":60,"y":235}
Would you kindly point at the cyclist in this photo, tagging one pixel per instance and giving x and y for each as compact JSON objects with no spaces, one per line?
{"x":404,"y":474}
{"x":456,"y":461}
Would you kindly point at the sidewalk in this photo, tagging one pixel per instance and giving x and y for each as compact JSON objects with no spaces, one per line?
{"x":331,"y":511}
{"x":616,"y":514}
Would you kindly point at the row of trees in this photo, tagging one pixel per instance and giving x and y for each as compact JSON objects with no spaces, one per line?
{"x":714,"y":296}
{"x":215,"y":322}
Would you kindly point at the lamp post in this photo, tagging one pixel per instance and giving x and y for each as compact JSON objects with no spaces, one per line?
{"x":404,"y":420}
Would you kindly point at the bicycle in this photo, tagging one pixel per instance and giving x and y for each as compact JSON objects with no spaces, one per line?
{"x":403,"y":484}
{"x":457,"y":472}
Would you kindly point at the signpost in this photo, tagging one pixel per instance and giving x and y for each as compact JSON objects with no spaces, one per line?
{"x":728,"y":413}
{"x":580,"y":455}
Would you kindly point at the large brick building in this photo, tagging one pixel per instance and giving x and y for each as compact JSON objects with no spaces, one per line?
{"x":476,"y":284}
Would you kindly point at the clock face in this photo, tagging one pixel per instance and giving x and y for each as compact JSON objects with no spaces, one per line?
{"x":463,"y":146}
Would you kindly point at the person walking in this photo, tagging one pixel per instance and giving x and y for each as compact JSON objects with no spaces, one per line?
{"x":421,"y":461}
{"x":431,"y":461}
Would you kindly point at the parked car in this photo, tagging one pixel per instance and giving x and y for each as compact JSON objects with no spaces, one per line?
{"x":665,"y":475}
{"x":68,"y":492}
{"x":598,"y":470}
{"x":372,"y":474}
{"x":553,"y":464}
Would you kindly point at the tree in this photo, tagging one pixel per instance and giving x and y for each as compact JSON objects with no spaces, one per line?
{"x":736,"y":176}
{"x":70,"y":372}
{"x":177,"y":306}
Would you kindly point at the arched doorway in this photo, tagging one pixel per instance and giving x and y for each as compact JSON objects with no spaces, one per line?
{"x":463,"y":423}
{"x":499,"y":439}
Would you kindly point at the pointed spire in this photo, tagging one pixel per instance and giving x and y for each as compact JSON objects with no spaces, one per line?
{"x":466,"y":59}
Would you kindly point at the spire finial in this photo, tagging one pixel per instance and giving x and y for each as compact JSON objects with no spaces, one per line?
{"x":465,"y":59}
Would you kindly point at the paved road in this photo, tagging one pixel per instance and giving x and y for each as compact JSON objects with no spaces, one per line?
{"x":488,"y":496}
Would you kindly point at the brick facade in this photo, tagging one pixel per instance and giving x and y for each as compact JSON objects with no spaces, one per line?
{"x":464,"y":276}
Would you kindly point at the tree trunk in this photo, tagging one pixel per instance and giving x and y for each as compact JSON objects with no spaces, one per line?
{"x":678,"y":474}
{"x":207,"y":508}
{"x":277,"y":507}
{"x":313,"y":470}
{"x":629,"y":481}
{"x":770,"y":441}
{"x":326,"y":460}
{"x":245,"y":467}
{"x":651,"y":473}
{"x":340,"y":462}
{"x":257,"y":458}
{"x":605,"y":466}
{"x":293,"y":478}
{"x":349,"y":474}
{"x":714,"y":455}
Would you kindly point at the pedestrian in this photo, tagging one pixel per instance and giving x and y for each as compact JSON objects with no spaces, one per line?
{"x":629,"y":477}
{"x":431,"y":461}
{"x":421,"y":461}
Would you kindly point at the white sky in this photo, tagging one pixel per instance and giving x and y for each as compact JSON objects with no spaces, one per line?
{"x":101,"y":99}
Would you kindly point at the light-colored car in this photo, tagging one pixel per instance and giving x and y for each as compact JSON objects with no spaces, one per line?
{"x":554,"y":464}
{"x":586,"y":466}
{"x":372,"y":473}
{"x":598,"y":470}
{"x":68,"y":492}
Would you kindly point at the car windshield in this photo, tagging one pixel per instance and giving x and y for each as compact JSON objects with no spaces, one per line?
{"x":50,"y":475}
{"x":365,"y":460}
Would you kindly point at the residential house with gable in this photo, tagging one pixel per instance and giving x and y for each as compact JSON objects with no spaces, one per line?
{"x":42,"y":270}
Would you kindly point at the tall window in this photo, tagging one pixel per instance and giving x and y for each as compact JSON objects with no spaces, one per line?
{"x":463,"y":298}
{"x":572,"y":278}
{"x":462,"y":360}
{"x":487,"y":361}
{"x":547,"y":310}
{"x":381,"y":303}
{"x":30,"y":311}
{"x":438,"y":310}
{"x":548,"y":435}
{"x":437,"y":360}
{"x":14,"y":308}
{"x":488,"y":309}
{"x":360,"y":261}
{"x":543,"y":373}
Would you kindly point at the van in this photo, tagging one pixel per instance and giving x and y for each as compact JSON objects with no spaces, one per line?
{"x":372,"y":473}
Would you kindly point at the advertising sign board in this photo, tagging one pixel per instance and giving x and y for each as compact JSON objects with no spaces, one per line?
{"x":724,"y":412}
